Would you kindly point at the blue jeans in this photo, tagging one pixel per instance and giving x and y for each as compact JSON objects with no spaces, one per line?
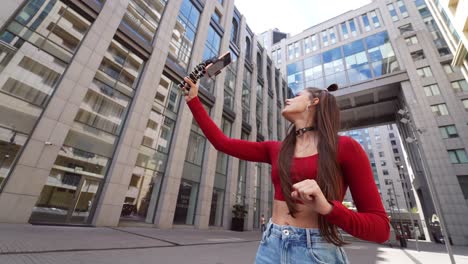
{"x":292,"y":245}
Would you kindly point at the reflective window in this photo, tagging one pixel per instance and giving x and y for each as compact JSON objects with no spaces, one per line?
{"x":297,"y":51}
{"x":230,"y":82}
{"x":375,"y":19}
{"x":431,"y":90}
{"x":381,"y":54}
{"x":424,"y":72}
{"x":248,"y":49}
{"x":344,"y":30}
{"x":402,"y":7}
{"x":324,"y":38}
{"x":183,"y":34}
{"x":458,"y":156}
{"x":186,"y":203}
{"x":242,"y":179}
{"x":259,"y":108}
{"x":393,"y":12}
{"x":270,"y":117}
{"x":315,"y":42}
{"x":366,"y":22}
{"x":313,"y":71}
{"x":439,"y":109}
{"x":291,"y":51}
{"x":357,"y":64}
{"x":142,"y":18}
{"x":437,"y":37}
{"x":295,"y":79}
{"x":246,"y":87}
{"x":216,"y":17}
{"x":332,"y":35}
{"x":36,"y":47}
{"x":307,"y":47}
{"x":463,"y":181}
{"x":257,"y":193}
{"x":411,"y":40}
{"x":212,"y":45}
{"x":465,"y":104}
{"x":447,"y":68}
{"x":334,"y":67}
{"x":406,"y":28}
{"x":449,"y":131}
{"x":418,"y":55}
{"x":235,"y":31}
{"x":352,"y":27}
{"x":460,"y":86}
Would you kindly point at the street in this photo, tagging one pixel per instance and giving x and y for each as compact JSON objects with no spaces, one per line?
{"x":57,"y":245}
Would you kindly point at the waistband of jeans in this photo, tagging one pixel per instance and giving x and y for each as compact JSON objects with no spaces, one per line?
{"x":310,"y":235}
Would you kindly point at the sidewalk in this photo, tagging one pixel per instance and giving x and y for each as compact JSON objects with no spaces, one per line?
{"x":27,"y":244}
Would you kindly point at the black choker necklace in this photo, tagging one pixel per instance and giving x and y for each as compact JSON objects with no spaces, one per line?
{"x":301,"y":131}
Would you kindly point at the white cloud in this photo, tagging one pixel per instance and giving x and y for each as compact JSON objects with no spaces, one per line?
{"x":292,"y":16}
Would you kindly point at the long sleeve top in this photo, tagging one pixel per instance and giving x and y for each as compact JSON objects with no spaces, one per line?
{"x":370,"y":222}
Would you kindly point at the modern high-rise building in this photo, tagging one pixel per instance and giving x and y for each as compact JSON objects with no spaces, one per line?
{"x":394,"y":67}
{"x":93,"y":129}
{"x":452,"y":18}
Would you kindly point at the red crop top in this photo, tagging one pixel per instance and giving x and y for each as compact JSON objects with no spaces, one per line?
{"x":369,"y":223}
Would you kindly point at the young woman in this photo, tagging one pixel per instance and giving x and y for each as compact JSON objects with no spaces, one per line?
{"x":311,"y":170}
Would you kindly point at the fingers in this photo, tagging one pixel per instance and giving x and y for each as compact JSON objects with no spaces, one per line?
{"x":305,"y":190}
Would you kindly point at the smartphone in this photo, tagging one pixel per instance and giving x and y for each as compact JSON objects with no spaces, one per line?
{"x":218,"y":64}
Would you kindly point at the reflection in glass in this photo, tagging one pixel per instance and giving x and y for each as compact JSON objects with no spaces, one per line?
{"x":230,"y":82}
{"x":186,"y":203}
{"x":313,"y":71}
{"x":246,"y":95}
{"x":295,"y":79}
{"x":35,"y":49}
{"x":259,"y":108}
{"x":183,"y":34}
{"x":334,"y":67}
{"x":142,"y":18}
{"x":357,"y":65}
{"x":381,"y":54}
{"x":144,"y":187}
{"x":212,"y":46}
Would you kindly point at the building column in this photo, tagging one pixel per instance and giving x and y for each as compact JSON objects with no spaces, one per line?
{"x":120,"y":173}
{"x":27,"y":179}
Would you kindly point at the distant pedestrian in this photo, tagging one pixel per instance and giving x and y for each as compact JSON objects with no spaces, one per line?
{"x":263,"y":223}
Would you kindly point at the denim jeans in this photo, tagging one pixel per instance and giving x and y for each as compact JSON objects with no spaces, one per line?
{"x":284,"y":244}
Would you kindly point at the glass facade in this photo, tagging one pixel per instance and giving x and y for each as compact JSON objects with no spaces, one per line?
{"x":142,"y":19}
{"x":257,"y":195}
{"x":259,"y":108}
{"x":241,"y":197}
{"x":191,"y":176}
{"x":217,"y":201}
{"x":36,"y":48}
{"x":183,"y":35}
{"x":357,"y":64}
{"x":212,"y":45}
{"x":246,"y":90}
{"x":81,"y":165}
{"x":230,"y":82}
{"x":147,"y":175}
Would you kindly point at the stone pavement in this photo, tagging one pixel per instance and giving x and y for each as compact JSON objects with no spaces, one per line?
{"x":29,"y":244}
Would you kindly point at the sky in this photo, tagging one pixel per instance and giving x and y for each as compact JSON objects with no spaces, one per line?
{"x":292,"y":16}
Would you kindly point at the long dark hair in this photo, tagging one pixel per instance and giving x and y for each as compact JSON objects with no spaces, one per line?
{"x":326,"y":122}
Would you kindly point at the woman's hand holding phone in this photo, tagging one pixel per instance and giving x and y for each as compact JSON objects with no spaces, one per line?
{"x":190,"y":90}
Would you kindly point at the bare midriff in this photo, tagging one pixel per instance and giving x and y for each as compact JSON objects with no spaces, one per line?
{"x":304,"y":218}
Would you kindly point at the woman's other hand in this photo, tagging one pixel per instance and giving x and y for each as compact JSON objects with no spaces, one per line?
{"x":309,"y":192}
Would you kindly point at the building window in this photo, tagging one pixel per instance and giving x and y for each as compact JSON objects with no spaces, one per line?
{"x":375,"y":19}
{"x":352,"y":27}
{"x":307,"y":47}
{"x":315,"y":42}
{"x":295,"y":79}
{"x":235,"y":31}
{"x":447,"y":68}
{"x":217,"y":17}
{"x":393,"y":12}
{"x":183,"y":35}
{"x":463,"y":181}
{"x":344,"y":30}
{"x":418,"y":55}
{"x":357,"y":64}
{"x":431,"y":90}
{"x":291,"y":51}
{"x":424,"y":72}
{"x":385,"y":172}
{"x":440,"y":109}
{"x":402,"y":7}
{"x":212,"y":46}
{"x":458,"y":156}
{"x":406,"y":28}
{"x":391,"y":135}
{"x":278,"y":57}
{"x":411,"y":40}
{"x":313,"y":71}
{"x":460,"y":86}
{"x":381,"y":54}
{"x":449,"y":131}
{"x":246,"y":86}
{"x":248,"y":49}
{"x":324,"y":38}
{"x":395,"y":151}
{"x":332,"y":36}
{"x":259,"y":65}
{"x":230,"y":82}
{"x":381,"y":154}
{"x":366,"y":22}
{"x":297,"y":50}
{"x":465,"y":104}
{"x":334,"y":67}
{"x":393,"y":142}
